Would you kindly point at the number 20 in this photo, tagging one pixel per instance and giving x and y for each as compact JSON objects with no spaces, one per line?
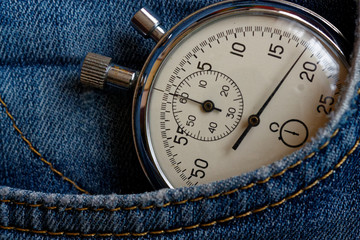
{"x":309,"y":68}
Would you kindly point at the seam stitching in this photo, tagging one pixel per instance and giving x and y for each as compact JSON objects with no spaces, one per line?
{"x":36,"y":152}
{"x":248,"y":186}
{"x":199,"y":225}
{"x":179,"y":202}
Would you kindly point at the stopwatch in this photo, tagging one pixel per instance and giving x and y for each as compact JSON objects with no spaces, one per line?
{"x":233,"y":87}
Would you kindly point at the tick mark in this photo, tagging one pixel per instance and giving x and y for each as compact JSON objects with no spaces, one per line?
{"x":159,"y":89}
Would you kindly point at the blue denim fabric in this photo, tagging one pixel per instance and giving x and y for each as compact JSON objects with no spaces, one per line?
{"x":60,"y":141}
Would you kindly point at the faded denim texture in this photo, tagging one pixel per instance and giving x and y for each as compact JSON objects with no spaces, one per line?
{"x":60,"y":141}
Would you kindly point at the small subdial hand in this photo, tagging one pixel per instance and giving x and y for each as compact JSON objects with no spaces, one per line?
{"x":194,"y":105}
{"x":254,"y":119}
{"x":207,"y":106}
{"x":293,"y":133}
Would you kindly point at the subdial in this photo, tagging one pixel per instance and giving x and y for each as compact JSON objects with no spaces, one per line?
{"x":207,"y":105}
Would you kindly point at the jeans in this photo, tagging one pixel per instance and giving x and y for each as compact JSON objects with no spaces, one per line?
{"x":68,"y":167}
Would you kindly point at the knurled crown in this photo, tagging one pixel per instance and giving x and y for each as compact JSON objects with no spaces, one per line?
{"x":94,"y":70}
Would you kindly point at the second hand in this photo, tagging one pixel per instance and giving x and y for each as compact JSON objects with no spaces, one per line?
{"x":254,"y":119}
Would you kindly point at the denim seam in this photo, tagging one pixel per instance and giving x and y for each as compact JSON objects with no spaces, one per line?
{"x":37,"y":152}
{"x":199,"y":225}
{"x":179,"y":202}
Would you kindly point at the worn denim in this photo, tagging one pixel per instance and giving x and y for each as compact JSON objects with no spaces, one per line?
{"x":68,"y":167}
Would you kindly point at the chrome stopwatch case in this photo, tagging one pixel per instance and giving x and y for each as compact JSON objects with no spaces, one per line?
{"x":233,"y":87}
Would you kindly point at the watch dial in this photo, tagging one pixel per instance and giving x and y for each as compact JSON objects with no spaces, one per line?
{"x":238,"y":92}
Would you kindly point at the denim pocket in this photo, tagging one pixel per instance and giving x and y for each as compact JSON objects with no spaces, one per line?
{"x":60,"y":141}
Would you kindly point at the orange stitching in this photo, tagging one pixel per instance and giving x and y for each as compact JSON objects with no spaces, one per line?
{"x":36,"y":152}
{"x":195,"y":226}
{"x":282,"y":172}
{"x":183,"y":201}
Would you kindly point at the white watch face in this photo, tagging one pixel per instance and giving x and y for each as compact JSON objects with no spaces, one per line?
{"x":239,"y":92}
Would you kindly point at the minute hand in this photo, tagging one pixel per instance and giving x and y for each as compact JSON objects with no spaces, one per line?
{"x":256,"y":116}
